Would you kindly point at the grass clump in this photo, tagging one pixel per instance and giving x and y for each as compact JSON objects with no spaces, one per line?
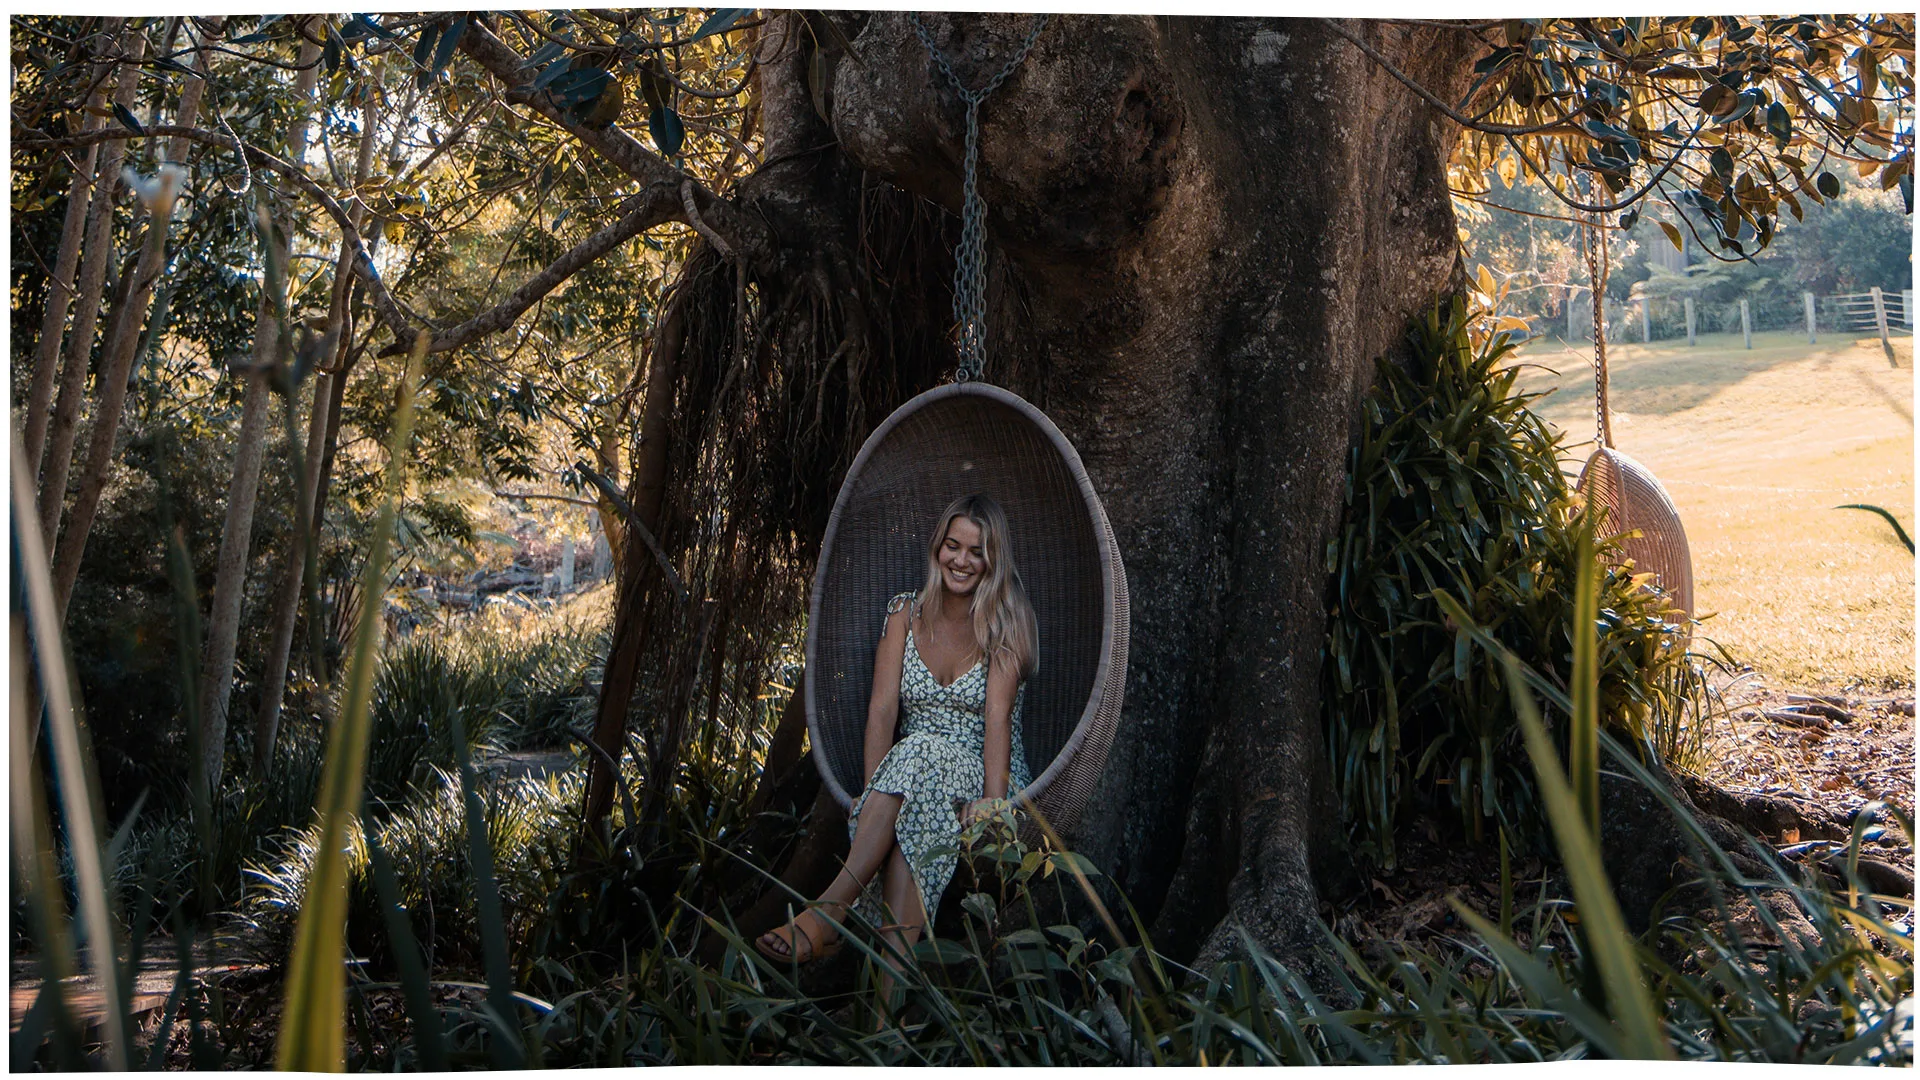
{"x":1456,"y":484}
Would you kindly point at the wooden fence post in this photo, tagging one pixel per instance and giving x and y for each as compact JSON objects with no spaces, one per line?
{"x":1573,"y":324}
{"x":1880,"y":322}
{"x":1689,"y":303}
{"x":1906,"y":308}
{"x":1746,"y":323}
{"x":1807,"y":299}
{"x":1646,"y":322}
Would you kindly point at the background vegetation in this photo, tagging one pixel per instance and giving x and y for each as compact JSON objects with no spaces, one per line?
{"x":445,"y":864}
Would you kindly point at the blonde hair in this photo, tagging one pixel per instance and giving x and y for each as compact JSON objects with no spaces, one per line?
{"x":1002,"y":618}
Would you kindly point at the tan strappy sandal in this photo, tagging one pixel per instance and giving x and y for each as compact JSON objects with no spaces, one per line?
{"x":792,"y":933}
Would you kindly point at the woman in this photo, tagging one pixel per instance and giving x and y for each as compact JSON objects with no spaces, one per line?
{"x":950,"y":668}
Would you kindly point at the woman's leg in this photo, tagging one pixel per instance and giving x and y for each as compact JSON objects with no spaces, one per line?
{"x":903,"y":898}
{"x":873,"y":839}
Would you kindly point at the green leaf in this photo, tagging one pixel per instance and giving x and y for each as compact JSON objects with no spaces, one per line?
{"x":448,"y":42}
{"x":719,"y":22}
{"x":667,"y":131}
{"x":1673,"y":235}
{"x":1779,"y":124}
{"x":127,"y":119}
{"x":423,"y":51}
{"x":551,"y":72}
{"x":1828,"y":185}
{"x":654,"y":85}
{"x":1717,"y":99}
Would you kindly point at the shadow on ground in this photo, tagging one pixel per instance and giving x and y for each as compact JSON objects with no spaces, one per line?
{"x":1668,"y":379}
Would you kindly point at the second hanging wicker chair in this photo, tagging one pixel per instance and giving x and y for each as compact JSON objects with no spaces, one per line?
{"x":951,"y":441}
{"x":1630,"y":499}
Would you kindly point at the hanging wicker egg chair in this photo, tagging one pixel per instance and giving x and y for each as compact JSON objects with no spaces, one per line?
{"x":951,"y":441}
{"x":1629,"y":498}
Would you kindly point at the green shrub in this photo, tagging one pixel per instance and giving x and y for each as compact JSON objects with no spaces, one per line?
{"x":1456,"y":484}
{"x":530,"y":824}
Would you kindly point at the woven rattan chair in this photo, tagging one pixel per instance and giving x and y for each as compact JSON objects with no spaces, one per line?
{"x":951,"y":441}
{"x":1629,"y":496}
{"x":1632,"y":498}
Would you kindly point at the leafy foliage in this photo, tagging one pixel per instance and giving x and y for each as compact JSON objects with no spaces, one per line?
{"x":1729,"y":121}
{"x":1456,"y":485}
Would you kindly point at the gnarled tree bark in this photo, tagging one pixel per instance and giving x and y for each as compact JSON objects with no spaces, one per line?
{"x":1205,"y":231}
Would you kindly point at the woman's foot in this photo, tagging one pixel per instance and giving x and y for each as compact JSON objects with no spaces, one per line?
{"x":810,"y":936}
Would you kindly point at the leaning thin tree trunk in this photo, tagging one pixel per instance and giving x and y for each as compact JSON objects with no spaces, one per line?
{"x":96,"y":255}
{"x":121,"y":345}
{"x":637,"y":568}
{"x":236,"y":537}
{"x":62,"y":287}
{"x":320,"y":425}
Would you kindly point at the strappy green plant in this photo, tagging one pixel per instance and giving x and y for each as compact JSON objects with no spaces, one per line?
{"x":1456,"y":484}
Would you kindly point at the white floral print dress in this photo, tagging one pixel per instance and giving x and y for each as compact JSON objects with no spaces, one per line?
{"x":938,"y":760}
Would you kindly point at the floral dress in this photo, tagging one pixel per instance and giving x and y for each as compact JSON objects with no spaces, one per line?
{"x":938,"y":760}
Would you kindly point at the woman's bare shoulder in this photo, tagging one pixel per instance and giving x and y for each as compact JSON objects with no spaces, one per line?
{"x":899,"y":612}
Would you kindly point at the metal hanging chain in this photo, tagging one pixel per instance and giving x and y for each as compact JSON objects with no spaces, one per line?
{"x":969,"y":258}
{"x":1593,"y":234}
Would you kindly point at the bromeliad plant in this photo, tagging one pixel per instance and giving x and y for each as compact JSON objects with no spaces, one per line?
{"x":1456,"y":485}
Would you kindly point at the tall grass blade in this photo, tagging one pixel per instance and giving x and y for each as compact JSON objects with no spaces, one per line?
{"x":1583,"y":733}
{"x":509,"y":1051}
{"x":312,"y":1033}
{"x":1898,"y":530}
{"x":72,"y":758}
{"x":1628,"y":1001}
{"x":33,"y":862}
{"x":429,"y":1038}
{"x":186,"y":613}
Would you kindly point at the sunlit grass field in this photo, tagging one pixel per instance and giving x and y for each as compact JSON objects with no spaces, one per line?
{"x":1756,"y":448}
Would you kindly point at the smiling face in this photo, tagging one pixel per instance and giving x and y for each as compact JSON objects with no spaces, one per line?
{"x":962,"y":558}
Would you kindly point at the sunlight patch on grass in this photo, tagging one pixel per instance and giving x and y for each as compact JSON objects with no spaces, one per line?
{"x":1756,"y":448}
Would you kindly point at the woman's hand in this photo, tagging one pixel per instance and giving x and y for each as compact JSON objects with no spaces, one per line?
{"x":982,"y":809}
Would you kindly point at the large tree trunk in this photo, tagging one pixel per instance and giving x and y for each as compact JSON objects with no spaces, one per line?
{"x":62,"y":285}
{"x":97,"y":255}
{"x":236,"y":534}
{"x":121,"y":346}
{"x":1205,"y":231}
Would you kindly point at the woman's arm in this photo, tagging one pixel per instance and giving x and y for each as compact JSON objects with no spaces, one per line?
{"x":883,"y":709}
{"x":1003,"y":683}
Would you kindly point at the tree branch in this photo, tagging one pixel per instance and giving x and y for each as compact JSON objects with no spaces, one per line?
{"x":659,"y":204}
{"x":620,"y":149}
{"x":383,"y":301}
{"x":1429,"y":97}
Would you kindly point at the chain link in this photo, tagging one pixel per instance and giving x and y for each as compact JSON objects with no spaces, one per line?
{"x":969,"y":258}
{"x":1593,"y":236}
